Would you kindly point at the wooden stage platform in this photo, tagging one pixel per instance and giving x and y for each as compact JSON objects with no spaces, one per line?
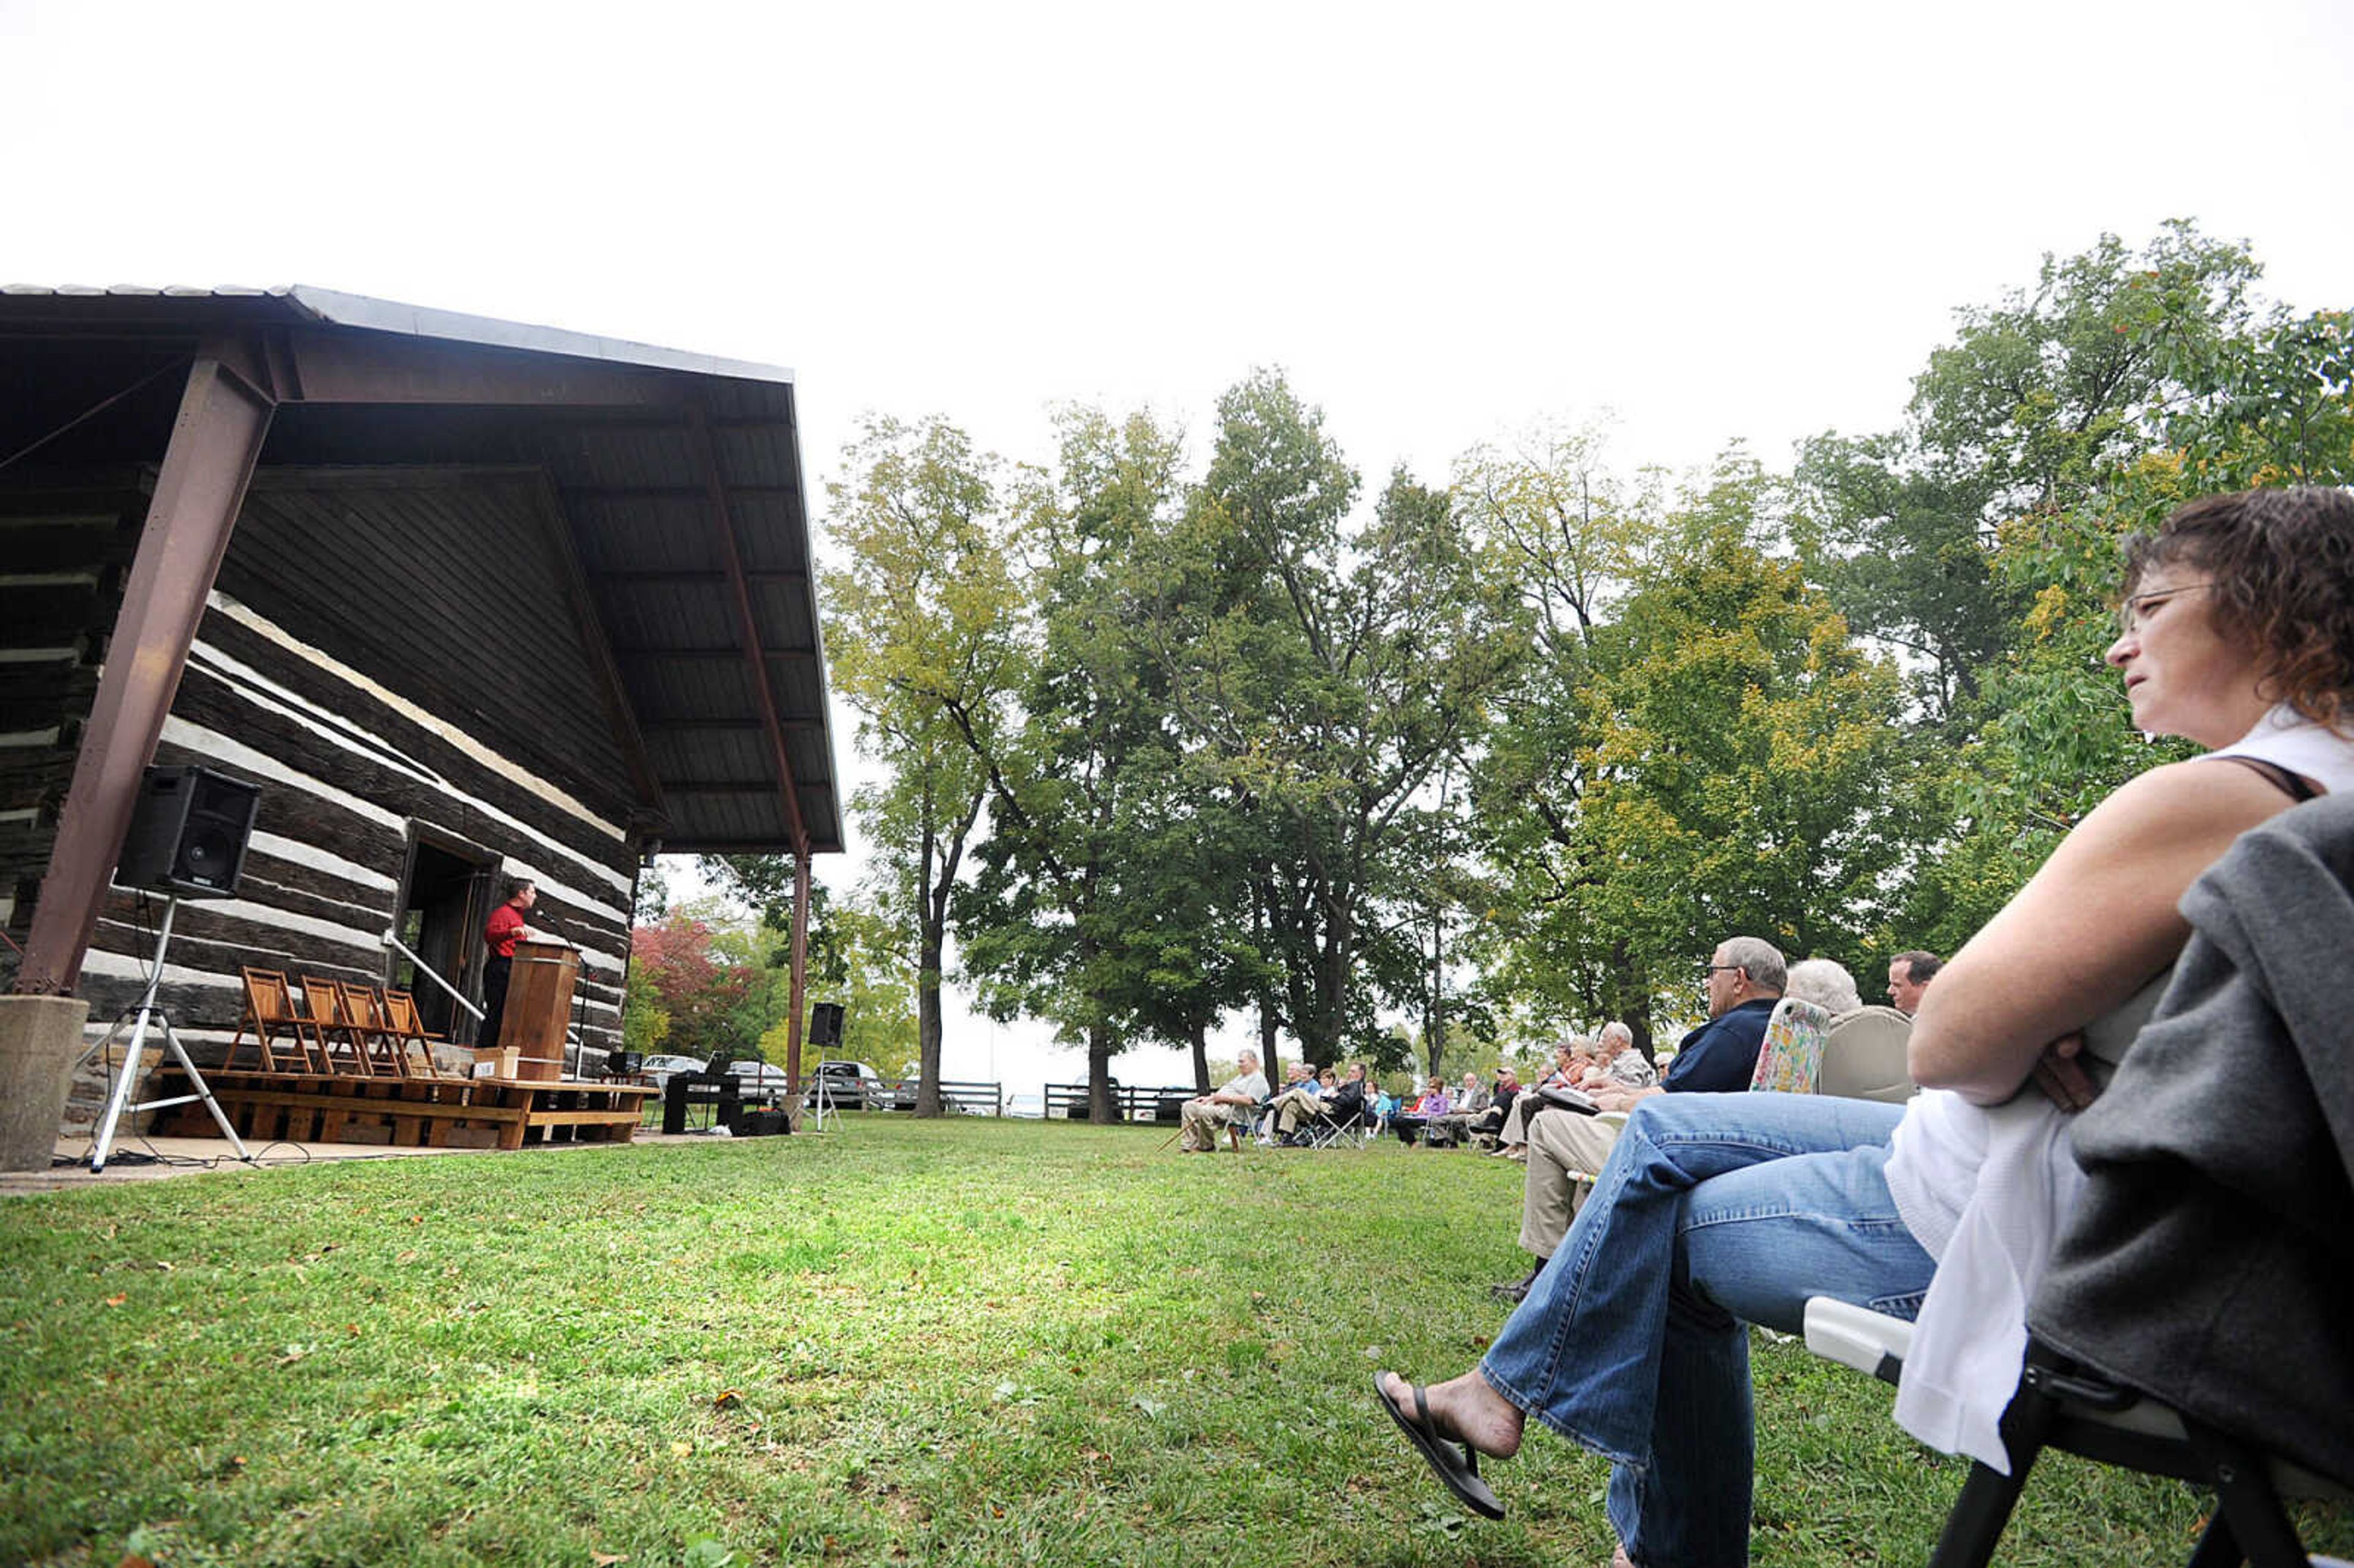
{"x":407,"y":1113}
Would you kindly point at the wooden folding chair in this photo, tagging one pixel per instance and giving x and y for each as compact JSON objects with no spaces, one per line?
{"x":364,"y":1010}
{"x":334,"y":1026}
{"x":403,"y":1024}
{"x":269,"y":1010}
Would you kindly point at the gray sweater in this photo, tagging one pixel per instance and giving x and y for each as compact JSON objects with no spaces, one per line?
{"x":2211,"y":1261}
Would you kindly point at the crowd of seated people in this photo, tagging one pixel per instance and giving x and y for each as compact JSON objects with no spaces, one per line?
{"x":1719,"y":1208}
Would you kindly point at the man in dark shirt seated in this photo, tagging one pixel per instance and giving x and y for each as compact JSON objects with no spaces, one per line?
{"x":1744,"y":978}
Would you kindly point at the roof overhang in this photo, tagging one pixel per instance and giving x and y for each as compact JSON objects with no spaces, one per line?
{"x":678,"y":476}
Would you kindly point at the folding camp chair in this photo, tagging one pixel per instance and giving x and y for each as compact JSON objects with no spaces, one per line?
{"x":269,"y":1010}
{"x":1863,"y":1056}
{"x":2075,"y":1410}
{"x":1342,"y":1121}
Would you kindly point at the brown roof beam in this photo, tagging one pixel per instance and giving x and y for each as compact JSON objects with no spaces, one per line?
{"x":756,"y":659}
{"x":343,"y":367}
{"x":601,"y":667}
{"x":226,"y":408}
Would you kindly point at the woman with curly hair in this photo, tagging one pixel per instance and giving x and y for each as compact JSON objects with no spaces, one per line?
{"x":2236,"y":630}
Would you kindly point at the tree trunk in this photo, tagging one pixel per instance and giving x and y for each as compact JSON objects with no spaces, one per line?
{"x":928,"y":1020}
{"x":1630,"y":1000}
{"x":1201,"y":1036}
{"x":1099,"y":1105}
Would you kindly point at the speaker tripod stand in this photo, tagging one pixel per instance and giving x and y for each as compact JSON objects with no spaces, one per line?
{"x":119,"y":1100}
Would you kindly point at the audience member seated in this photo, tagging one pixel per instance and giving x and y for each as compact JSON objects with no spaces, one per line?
{"x":1417,"y":1119}
{"x":1570,"y":1063}
{"x":1490,"y":1123}
{"x":1825,"y":982}
{"x":1289,"y":1110}
{"x":1745,"y":980}
{"x":1471,"y":1102}
{"x":1616,"y":1060}
{"x":1203,"y":1115}
{"x":1909,"y":975}
{"x":1299,"y":1079}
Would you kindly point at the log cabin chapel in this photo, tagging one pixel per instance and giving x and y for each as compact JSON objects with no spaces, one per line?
{"x":464,"y":598}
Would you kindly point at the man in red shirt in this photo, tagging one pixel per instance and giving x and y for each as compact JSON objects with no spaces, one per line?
{"x":501,"y":933}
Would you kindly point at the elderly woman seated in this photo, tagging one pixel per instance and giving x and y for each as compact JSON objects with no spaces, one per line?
{"x":1411,"y":1122}
{"x":1616,"y":1060}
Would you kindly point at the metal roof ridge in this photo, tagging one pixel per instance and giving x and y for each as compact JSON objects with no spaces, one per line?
{"x":339,"y":308}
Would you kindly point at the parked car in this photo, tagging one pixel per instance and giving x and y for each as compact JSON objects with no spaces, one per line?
{"x":849,"y":1086}
{"x":754,"y":1076}
{"x":659,"y":1070}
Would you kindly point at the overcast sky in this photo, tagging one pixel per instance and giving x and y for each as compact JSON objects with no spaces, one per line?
{"x":1719,"y":221}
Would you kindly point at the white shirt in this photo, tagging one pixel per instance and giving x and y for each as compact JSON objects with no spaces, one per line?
{"x":1984,"y":1189}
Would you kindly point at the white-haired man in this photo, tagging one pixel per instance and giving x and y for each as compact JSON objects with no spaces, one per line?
{"x":1203,"y":1115}
{"x":1744,"y":978}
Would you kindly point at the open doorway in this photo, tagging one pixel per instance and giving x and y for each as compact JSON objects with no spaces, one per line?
{"x":442,"y":906}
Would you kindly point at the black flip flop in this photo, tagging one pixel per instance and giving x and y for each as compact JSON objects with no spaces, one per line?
{"x":1454,"y":1464}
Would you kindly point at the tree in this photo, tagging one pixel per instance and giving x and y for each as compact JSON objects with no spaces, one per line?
{"x":1730,"y":758}
{"x":923,"y":620}
{"x":856,"y":956}
{"x":1325,"y":673}
{"x":695,"y":987}
{"x":2039,"y":400}
{"x":1065,"y":888}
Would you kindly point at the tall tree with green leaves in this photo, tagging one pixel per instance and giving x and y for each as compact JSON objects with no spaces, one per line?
{"x":1326,"y":671}
{"x":923,"y":623}
{"x":1087,"y":908}
{"x":2039,"y":400}
{"x":1730,"y":753}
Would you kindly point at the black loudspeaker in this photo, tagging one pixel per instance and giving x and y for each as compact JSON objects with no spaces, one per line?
{"x":189,"y":832}
{"x":825,"y":1023}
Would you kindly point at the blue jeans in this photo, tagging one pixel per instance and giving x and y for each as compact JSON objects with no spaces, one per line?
{"x":1712,"y":1210}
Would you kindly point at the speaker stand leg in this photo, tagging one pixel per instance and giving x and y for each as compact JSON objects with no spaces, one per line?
{"x":118,"y":1101}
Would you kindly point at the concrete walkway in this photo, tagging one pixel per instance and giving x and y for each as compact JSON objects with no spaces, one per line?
{"x":192,"y":1156}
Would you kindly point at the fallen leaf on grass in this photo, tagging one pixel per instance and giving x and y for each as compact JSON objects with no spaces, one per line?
{"x":165,"y":1265}
{"x":1150,"y":1406}
{"x":607,"y":1559}
{"x":408,"y":1256}
{"x":727,"y":1398}
{"x":682,"y":1448}
{"x":118,"y":1299}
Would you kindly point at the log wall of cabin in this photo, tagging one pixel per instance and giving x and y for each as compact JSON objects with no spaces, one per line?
{"x":389,"y":657}
{"x":64,"y":552}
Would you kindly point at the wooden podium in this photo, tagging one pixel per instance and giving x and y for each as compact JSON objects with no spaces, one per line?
{"x":539,"y":1006}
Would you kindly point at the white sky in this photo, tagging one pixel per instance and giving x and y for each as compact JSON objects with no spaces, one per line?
{"x":1720,"y":220}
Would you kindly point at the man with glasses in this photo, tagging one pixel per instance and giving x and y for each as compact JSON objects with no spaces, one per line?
{"x":1744,"y":978}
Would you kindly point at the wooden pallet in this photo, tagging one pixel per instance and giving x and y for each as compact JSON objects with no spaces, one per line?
{"x":410,"y":1113}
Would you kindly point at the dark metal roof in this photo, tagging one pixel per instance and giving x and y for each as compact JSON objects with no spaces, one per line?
{"x":679,"y":477}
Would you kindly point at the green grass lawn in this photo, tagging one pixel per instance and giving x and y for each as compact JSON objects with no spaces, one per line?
{"x":963,"y":1341}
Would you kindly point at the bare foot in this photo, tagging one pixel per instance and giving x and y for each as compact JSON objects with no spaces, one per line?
{"x":1618,"y":1558}
{"x":1465,"y":1410}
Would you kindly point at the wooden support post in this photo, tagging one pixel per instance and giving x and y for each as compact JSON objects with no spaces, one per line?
{"x":797,"y":981}
{"x":225,"y":412}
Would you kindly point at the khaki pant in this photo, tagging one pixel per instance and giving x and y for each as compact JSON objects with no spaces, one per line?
{"x":1291,"y":1108}
{"x":1199,"y":1121}
{"x":1516,"y":1121}
{"x":1562,"y":1144}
